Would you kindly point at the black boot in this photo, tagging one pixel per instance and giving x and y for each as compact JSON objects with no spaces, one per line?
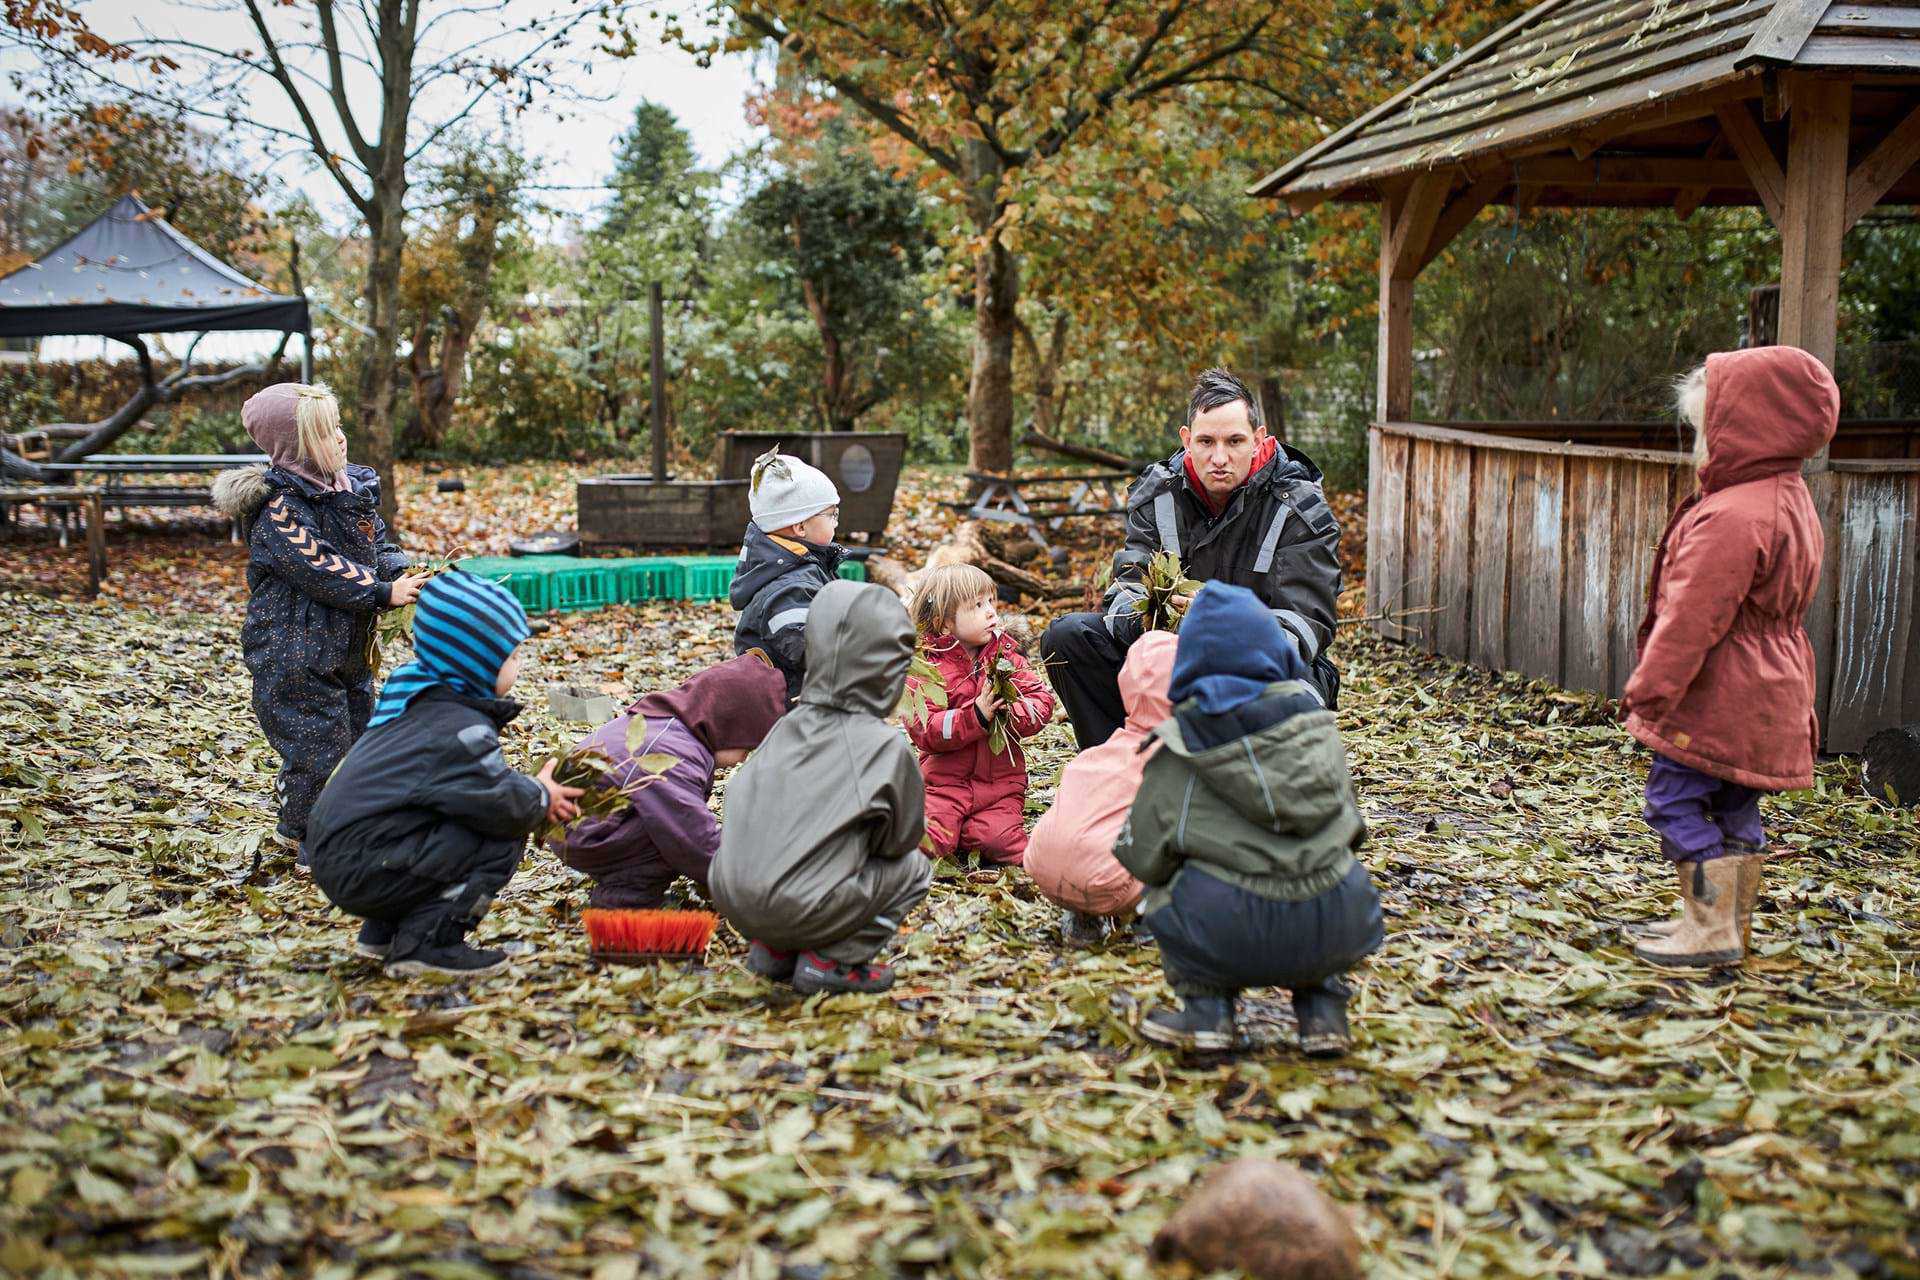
{"x":1322,"y":1015}
{"x":1204,"y":1024}
{"x":437,"y":947}
{"x":1080,"y":930}
{"x":776,"y":966}
{"x":375,"y":940}
{"x":815,"y":972}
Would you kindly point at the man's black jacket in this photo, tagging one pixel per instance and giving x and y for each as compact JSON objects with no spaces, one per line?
{"x":421,"y":792}
{"x":1277,"y":537}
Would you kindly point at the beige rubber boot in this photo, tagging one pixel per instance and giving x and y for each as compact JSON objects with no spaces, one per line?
{"x":1708,"y":935}
{"x":1751,"y":859}
{"x":1661,"y":928}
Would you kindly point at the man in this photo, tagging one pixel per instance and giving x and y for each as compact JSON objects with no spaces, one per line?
{"x":1236,"y":506}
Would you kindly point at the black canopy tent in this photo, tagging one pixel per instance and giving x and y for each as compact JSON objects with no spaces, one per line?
{"x":129,"y":273}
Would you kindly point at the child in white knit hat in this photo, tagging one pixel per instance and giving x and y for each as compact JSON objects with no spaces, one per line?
{"x":788,"y":555}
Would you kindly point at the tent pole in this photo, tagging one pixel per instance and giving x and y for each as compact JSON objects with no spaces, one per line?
{"x":306,"y":355}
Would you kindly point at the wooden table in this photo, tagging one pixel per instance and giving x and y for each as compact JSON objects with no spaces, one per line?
{"x":87,"y":498}
{"x":1005,"y":498}
{"x":125,"y":480}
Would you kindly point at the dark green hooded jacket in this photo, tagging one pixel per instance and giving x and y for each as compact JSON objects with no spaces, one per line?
{"x":1259,"y":798}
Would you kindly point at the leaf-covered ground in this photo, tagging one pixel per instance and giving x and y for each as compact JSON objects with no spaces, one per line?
{"x":198,"y":1077}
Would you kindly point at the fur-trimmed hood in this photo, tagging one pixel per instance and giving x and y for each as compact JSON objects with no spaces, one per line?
{"x":241,"y":491}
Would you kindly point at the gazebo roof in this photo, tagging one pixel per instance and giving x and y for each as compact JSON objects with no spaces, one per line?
{"x":1566,"y":67}
{"x":129,"y":272}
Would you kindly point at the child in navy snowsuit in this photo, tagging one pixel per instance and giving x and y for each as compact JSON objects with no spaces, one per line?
{"x":424,"y":822}
{"x":788,"y":555}
{"x":320,"y":567}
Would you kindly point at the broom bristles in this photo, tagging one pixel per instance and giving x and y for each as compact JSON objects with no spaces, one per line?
{"x":649,"y":933}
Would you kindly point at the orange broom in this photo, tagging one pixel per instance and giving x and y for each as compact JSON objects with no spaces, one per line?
{"x":645,"y":937}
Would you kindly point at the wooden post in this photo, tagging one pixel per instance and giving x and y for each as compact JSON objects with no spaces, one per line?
{"x":96,"y":544}
{"x":1393,"y":398}
{"x":657,"y":379}
{"x":1814,"y":214}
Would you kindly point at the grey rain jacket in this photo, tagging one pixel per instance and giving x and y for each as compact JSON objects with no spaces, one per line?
{"x":823,"y":823}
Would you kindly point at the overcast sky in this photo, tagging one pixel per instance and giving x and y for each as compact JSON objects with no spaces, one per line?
{"x":573,"y":140}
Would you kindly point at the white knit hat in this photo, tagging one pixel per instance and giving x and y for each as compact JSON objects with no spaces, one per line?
{"x":784,"y":491}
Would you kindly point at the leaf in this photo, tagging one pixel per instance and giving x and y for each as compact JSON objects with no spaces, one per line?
{"x":657,"y":762}
{"x":704,"y":1197}
{"x":785,"y":1134}
{"x":29,"y":1185}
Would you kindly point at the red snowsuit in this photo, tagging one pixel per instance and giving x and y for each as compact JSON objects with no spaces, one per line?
{"x":975,"y":799}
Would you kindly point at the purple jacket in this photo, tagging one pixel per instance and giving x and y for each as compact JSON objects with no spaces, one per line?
{"x":669,"y":831}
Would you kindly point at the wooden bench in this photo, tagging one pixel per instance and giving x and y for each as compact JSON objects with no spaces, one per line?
{"x":67,"y":498}
{"x":1009,"y":498}
{"x":126,"y":483}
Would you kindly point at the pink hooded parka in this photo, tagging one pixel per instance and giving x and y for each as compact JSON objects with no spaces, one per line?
{"x":1725,"y":680}
{"x":1070,"y":853}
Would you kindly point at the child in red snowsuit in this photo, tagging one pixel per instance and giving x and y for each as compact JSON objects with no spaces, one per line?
{"x":976,"y":797}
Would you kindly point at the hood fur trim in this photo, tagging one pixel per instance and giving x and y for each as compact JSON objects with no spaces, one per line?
{"x":240,"y":492}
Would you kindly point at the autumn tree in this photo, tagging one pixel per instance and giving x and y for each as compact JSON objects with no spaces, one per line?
{"x":453,"y":271}
{"x":1000,"y":100}
{"x":374,"y":89}
{"x":849,"y":240}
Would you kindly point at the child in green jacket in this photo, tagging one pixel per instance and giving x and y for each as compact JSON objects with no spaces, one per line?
{"x":1243,"y":832}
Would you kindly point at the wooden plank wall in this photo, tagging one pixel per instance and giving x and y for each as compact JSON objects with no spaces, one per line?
{"x":1527,"y":557}
{"x":1875,"y":668}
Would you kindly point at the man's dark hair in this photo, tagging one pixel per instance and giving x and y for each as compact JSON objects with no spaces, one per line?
{"x":1217,"y":387}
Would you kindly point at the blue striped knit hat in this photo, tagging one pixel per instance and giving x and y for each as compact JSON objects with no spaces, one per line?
{"x":464,"y":630}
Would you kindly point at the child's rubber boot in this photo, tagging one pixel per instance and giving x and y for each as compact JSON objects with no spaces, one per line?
{"x":1203,"y":1024}
{"x":1752,"y":858}
{"x":1661,"y":928}
{"x":1708,"y":935}
{"x":775,"y":966}
{"x":815,"y":973}
{"x":375,"y":941}
{"x":440,"y":950}
{"x":1080,"y":930}
{"x":1322,"y":1016}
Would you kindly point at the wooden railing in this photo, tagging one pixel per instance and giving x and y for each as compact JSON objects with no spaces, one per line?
{"x":1531,"y":555}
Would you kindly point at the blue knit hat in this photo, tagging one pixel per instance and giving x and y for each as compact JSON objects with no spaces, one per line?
{"x":464,"y":630}
{"x":1231,"y":649}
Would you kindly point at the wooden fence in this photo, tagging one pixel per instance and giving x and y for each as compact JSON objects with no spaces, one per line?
{"x":1533,"y":556}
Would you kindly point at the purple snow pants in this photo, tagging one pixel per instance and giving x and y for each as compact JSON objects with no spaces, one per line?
{"x":1695,"y":813}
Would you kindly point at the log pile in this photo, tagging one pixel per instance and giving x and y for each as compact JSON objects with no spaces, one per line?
{"x":976,"y":543}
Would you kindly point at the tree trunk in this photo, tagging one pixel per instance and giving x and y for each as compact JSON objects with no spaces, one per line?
{"x":373,"y":440}
{"x":1273,"y":407}
{"x":996,"y":291}
{"x":996,"y":320}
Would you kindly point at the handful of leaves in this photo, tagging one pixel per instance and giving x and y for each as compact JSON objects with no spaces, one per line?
{"x":926,"y":689}
{"x":1161,"y":604}
{"x":592,"y":771}
{"x":395,"y":625}
{"x":1000,"y":681}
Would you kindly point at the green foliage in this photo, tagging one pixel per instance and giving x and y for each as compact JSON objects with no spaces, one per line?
{"x":844,"y":243}
{"x":529,"y":395}
{"x":26,"y":398}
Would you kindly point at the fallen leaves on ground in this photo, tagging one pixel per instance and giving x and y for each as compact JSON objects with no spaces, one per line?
{"x":197,"y":1076}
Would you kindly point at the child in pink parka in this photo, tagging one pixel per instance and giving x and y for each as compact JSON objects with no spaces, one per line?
{"x":976,"y":797}
{"x":1070,"y":854}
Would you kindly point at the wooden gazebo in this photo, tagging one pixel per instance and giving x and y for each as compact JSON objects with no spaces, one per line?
{"x":1526,"y":546}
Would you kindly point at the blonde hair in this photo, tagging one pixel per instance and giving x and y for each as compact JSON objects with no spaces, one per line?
{"x":942,"y":594}
{"x":316,"y":418}
{"x":1690,"y":398}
